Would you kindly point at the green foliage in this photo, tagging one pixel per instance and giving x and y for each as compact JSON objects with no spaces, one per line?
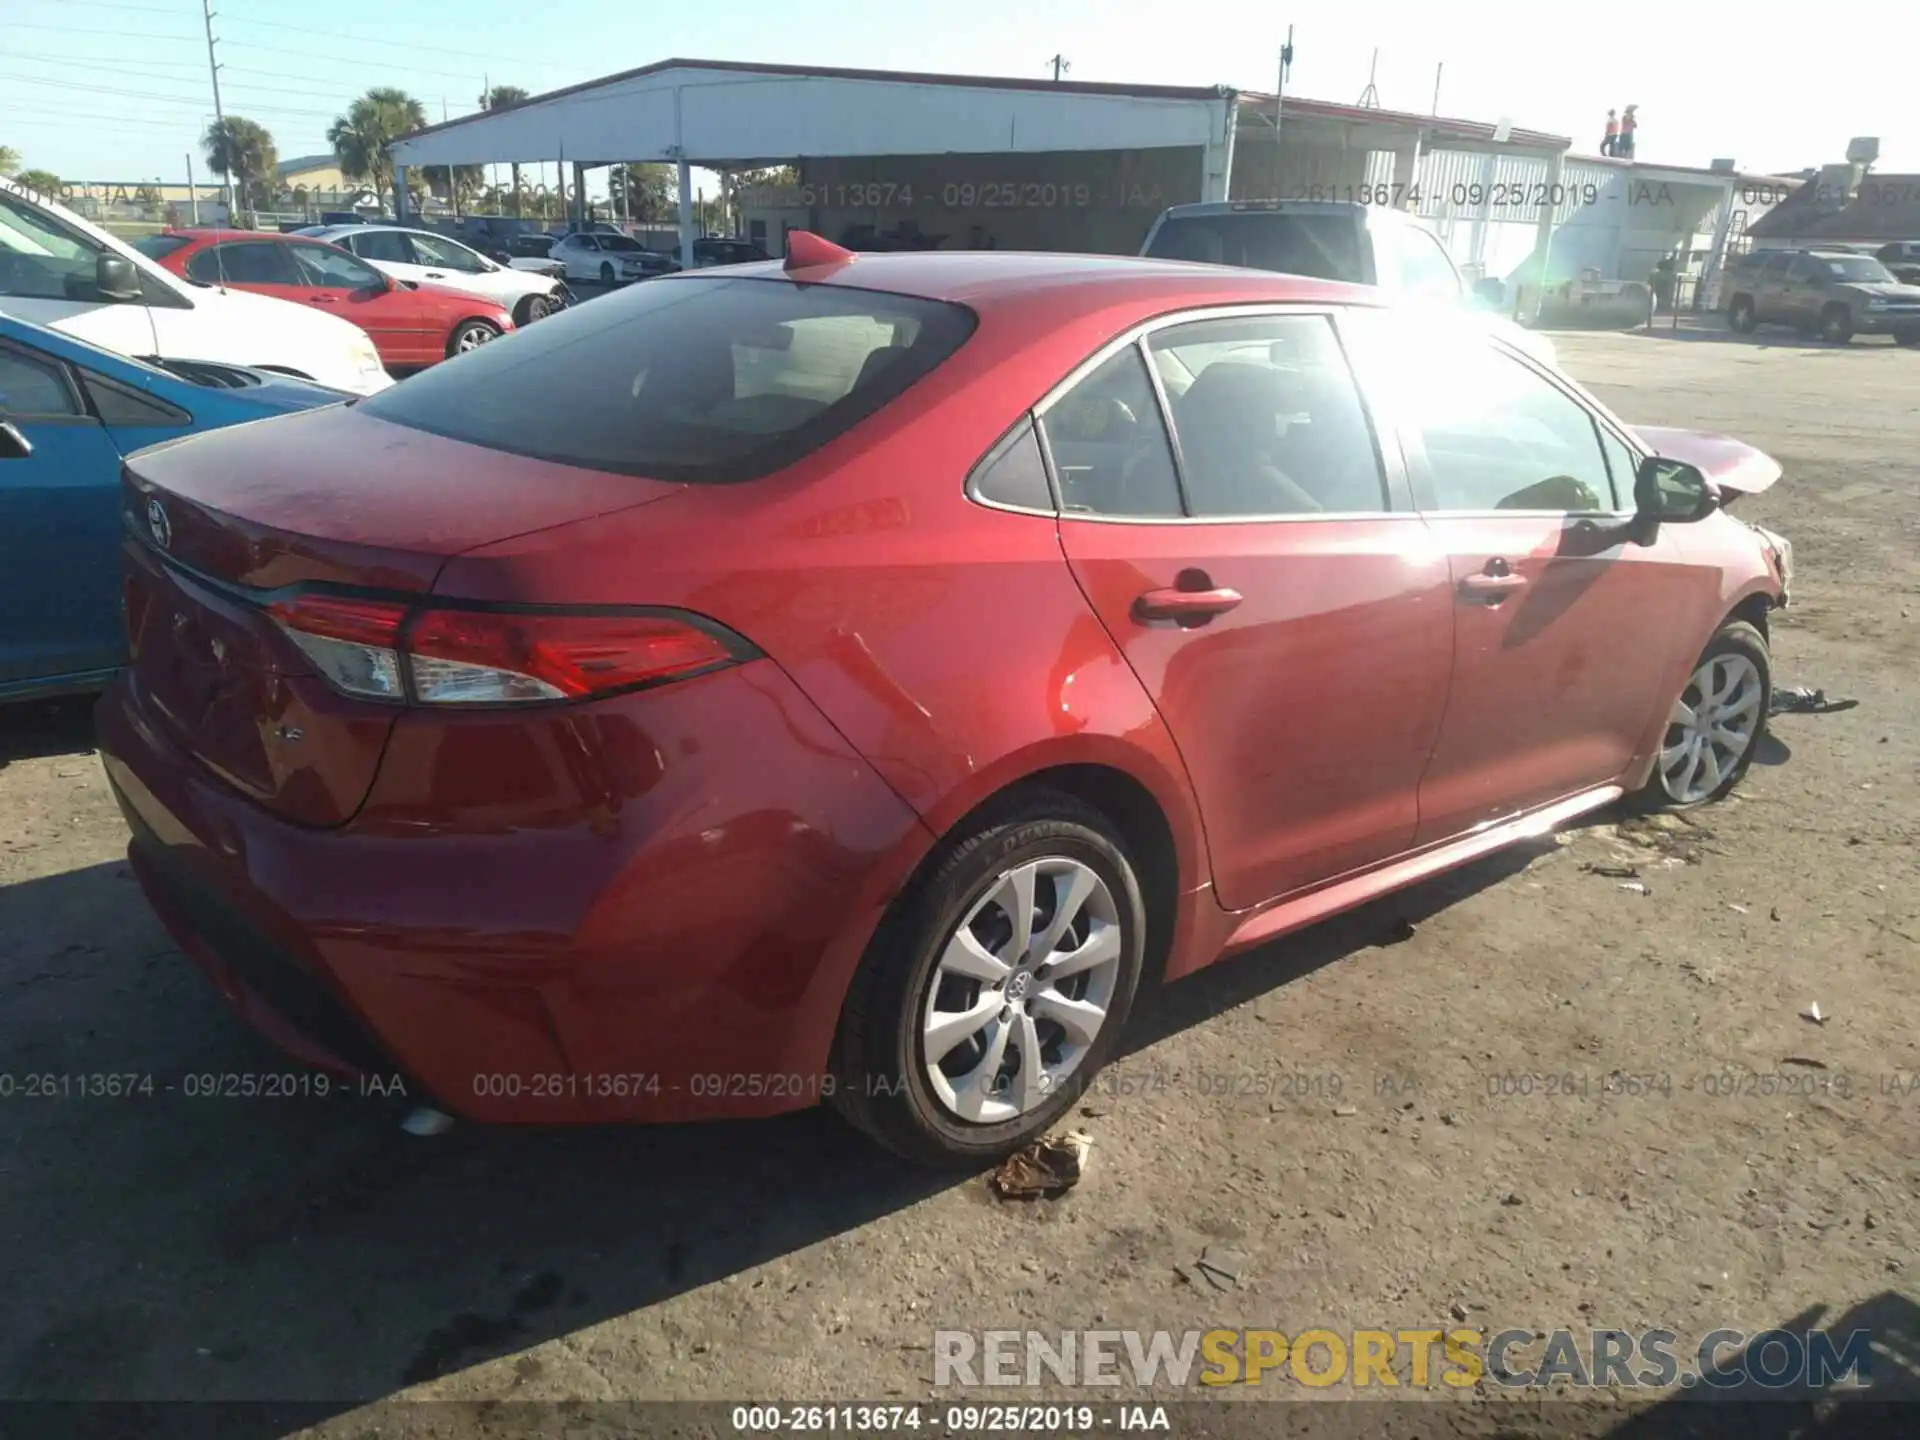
{"x":372,"y":123}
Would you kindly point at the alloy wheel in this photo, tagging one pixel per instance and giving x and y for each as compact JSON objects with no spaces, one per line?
{"x":472,"y":338}
{"x":1714,"y":723}
{"x":1021,"y":990}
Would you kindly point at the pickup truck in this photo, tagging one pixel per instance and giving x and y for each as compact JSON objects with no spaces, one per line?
{"x":1331,"y":240}
{"x":1835,"y":293}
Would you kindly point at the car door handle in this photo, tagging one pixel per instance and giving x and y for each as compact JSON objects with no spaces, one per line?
{"x":1491,"y":586}
{"x":435,"y":275}
{"x":1191,"y":607}
{"x":324,"y":299}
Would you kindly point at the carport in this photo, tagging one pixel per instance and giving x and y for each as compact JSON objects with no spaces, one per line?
{"x":906,"y":154}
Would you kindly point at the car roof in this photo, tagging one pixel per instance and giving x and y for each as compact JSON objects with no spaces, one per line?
{"x":1269,"y":207}
{"x":992,"y":278}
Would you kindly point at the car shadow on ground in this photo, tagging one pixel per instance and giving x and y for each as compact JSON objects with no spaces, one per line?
{"x":176,"y":1244}
{"x":39,"y":728}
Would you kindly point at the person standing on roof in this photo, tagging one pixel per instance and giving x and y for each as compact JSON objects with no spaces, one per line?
{"x":1612,"y":141}
{"x":1628,"y":124}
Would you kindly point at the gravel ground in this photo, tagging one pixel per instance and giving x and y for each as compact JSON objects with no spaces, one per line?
{"x":1399,"y":1119}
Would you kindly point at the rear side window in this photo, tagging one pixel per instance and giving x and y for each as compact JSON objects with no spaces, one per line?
{"x":388,"y":245}
{"x":1325,"y":247}
{"x":158,"y":247}
{"x":253,"y":262}
{"x":1109,"y":443}
{"x":700,"y":380}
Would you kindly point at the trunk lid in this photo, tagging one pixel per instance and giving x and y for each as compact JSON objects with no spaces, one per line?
{"x":220,"y":524}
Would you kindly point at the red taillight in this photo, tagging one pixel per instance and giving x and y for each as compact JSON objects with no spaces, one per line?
{"x":486,"y":657}
{"x":372,"y":648}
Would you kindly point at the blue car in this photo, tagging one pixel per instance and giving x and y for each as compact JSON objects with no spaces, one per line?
{"x":69,"y":413}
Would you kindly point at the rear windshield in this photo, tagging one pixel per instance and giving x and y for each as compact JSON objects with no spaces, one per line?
{"x":158,"y":247}
{"x":698,"y":379}
{"x":1325,"y":247}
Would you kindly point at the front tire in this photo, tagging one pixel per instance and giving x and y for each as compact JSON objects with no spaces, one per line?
{"x":1740,"y":316}
{"x":532,"y":308}
{"x":1716,"y":723}
{"x":606,"y":273}
{"x":1836,"y":325}
{"x":470,"y":335}
{"x":996,"y":987}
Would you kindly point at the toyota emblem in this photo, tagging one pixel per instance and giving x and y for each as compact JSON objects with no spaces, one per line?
{"x":158,"y":523}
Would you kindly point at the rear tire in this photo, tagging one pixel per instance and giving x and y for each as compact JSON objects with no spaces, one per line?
{"x":606,"y":273}
{"x":1716,"y":724}
{"x":1836,"y":325}
{"x":470,"y":335}
{"x":1740,"y":316}
{"x":935,"y":973}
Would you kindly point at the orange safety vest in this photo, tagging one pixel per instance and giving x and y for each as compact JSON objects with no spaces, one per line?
{"x":1613,"y":126}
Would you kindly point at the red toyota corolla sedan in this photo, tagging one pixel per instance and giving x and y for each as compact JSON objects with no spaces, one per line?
{"x":410,"y":325}
{"x":852,"y":680}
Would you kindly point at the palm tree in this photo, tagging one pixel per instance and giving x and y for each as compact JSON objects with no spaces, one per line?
{"x":372,"y":123}
{"x":243,"y":151}
{"x":505,"y":97}
{"x":9,"y":160}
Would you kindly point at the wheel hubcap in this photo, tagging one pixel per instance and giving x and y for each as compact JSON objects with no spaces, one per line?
{"x":1714,"y":723}
{"x":1021,"y":991}
{"x":473,"y":339}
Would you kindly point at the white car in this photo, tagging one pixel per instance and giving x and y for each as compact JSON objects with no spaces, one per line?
{"x":59,"y":271}
{"x":424,"y":257}
{"x":609,"y":259}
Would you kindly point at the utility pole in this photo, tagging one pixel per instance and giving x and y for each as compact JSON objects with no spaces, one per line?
{"x":193,"y":195}
{"x":219,"y":116}
{"x":1279,"y":88}
{"x":1060,"y":65}
{"x":1436,"y":86}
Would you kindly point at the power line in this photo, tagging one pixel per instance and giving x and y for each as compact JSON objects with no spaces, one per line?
{"x":231,"y":84}
{"x":114,"y":5}
{"x":359,"y":60}
{"x":193,"y":100}
{"x":520,"y":60}
{"x":110,"y":34}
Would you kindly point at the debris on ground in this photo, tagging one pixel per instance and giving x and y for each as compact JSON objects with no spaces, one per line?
{"x":1613,"y":872}
{"x":1805,"y":700}
{"x":1738,"y":909}
{"x":1220,"y":1269}
{"x":1812,"y":1012}
{"x":1635,"y":886}
{"x":425,"y":1120}
{"x":1044,"y":1169}
{"x":1344,"y":1110}
{"x":1805,"y":1060}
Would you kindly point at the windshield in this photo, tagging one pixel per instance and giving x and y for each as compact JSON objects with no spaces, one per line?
{"x":158,"y":247}
{"x":1324,"y":247}
{"x":688,"y":380}
{"x":1857,"y":267}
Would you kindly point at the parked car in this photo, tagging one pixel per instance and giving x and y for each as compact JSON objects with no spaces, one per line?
{"x":58,"y":270}
{"x":1331,"y":240}
{"x":411,"y":324}
{"x":610,"y":259}
{"x":533,"y":251}
{"x":1902,"y":259}
{"x":426,"y":258}
{"x":834,"y":680}
{"x":1835,"y":293}
{"x":69,"y":413}
{"x":720,"y":250}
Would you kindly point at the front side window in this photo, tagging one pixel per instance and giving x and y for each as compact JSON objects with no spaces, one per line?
{"x":158,"y":247}
{"x":1109,"y":445}
{"x":32,"y":388}
{"x":1804,"y":267}
{"x":252,"y":262}
{"x":389,"y":246}
{"x":1268,"y":418}
{"x":40,"y":258}
{"x":1493,"y":434}
{"x":695,"y":380}
{"x":437,"y":250}
{"x":325,"y":267}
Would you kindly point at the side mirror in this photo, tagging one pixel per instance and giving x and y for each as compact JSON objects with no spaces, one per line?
{"x":1671,"y":492}
{"x":13,"y":445}
{"x":115,"y":278}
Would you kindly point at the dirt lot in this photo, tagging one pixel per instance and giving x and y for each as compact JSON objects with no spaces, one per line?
{"x":1375,"y":1158}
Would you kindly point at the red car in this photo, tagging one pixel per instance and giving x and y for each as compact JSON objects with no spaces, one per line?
{"x":852,"y":679}
{"x":410,"y":325}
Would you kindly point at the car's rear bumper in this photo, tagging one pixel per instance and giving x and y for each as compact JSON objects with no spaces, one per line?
{"x":622,"y":911}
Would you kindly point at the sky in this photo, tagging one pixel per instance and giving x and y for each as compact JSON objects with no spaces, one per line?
{"x":118,"y":89}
